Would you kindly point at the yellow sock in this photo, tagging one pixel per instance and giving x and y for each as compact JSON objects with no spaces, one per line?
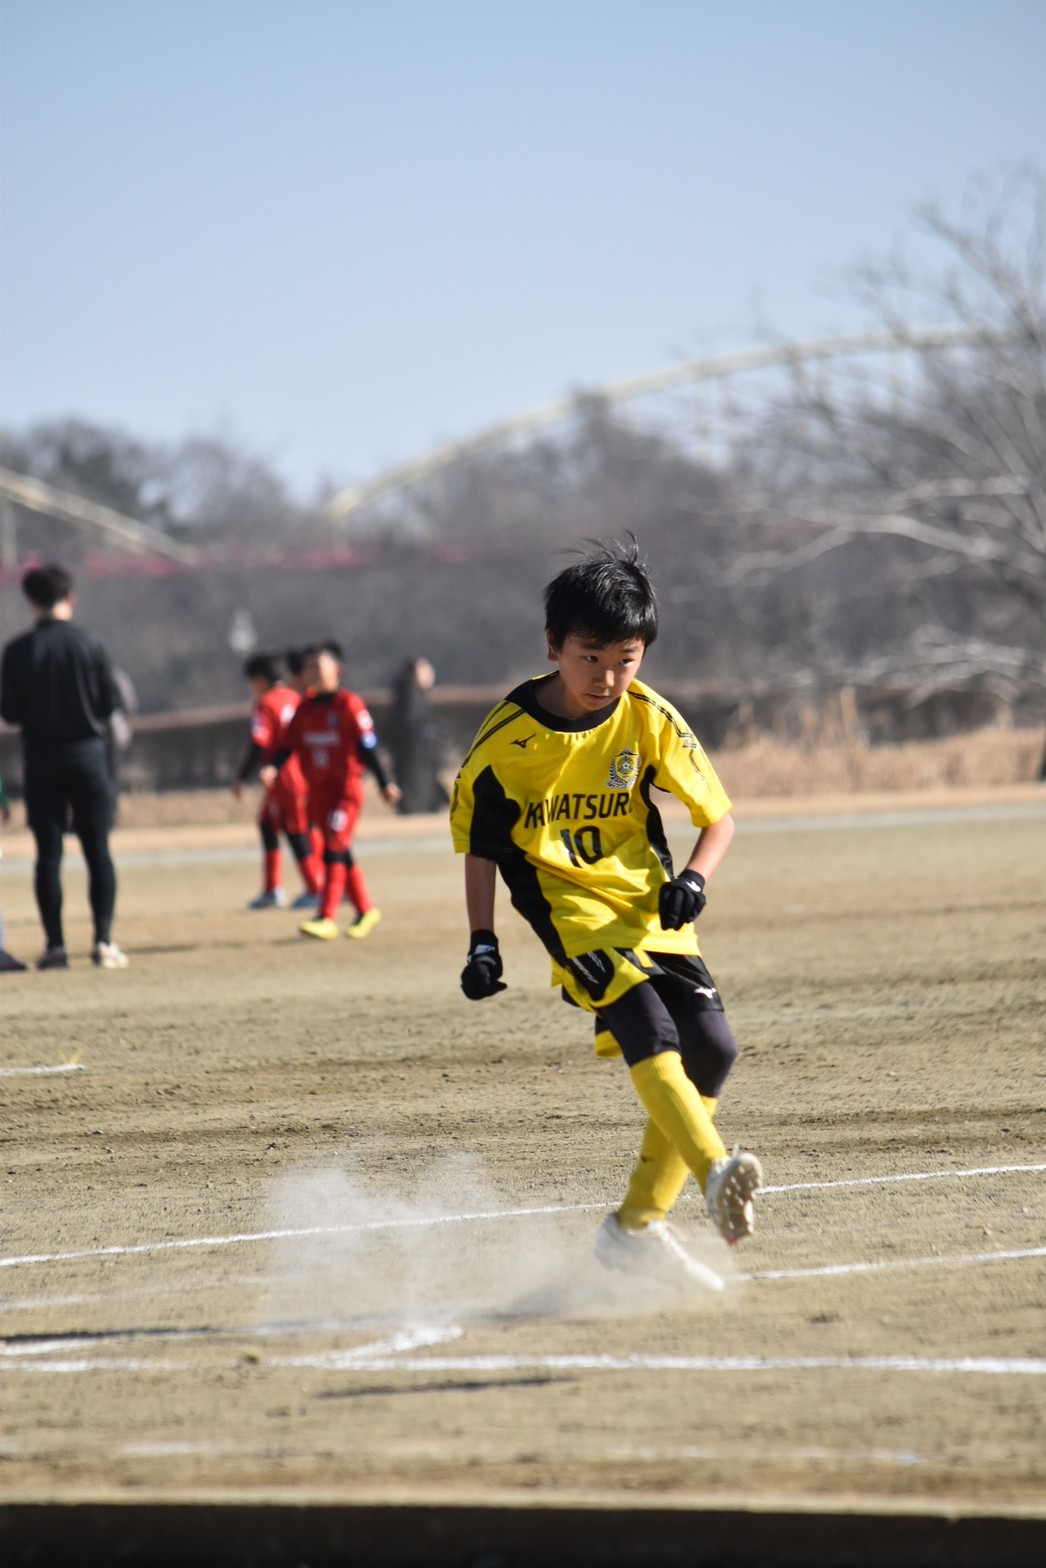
{"x":659,"y":1177}
{"x":680,"y":1113}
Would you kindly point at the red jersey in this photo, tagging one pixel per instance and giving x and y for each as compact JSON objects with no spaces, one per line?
{"x":328,"y":732}
{"x":273,"y":713}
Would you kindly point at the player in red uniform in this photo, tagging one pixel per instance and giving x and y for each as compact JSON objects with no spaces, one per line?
{"x":285,"y":806}
{"x":332,"y":735}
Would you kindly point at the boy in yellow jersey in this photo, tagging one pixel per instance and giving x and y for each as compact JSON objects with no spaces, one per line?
{"x":555,"y":794}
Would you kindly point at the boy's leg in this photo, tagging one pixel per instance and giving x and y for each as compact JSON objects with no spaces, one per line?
{"x":337,"y":855}
{"x":709,"y":1050}
{"x":367,"y":916}
{"x":290,"y":816}
{"x":47,"y":879}
{"x":272,"y":895}
{"x":271,"y":859}
{"x":356,"y":886}
{"x":309,"y":864}
{"x":47,"y":810}
{"x":341,"y":825}
{"x":335,"y":871}
{"x":323,"y":925}
{"x":659,"y":1176}
{"x":649,"y":1039}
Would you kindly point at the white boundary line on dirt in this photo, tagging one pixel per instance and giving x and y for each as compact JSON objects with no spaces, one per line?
{"x":374,"y":1359}
{"x":488,"y":1216}
{"x":39,"y":1072}
{"x":991,"y":1366}
{"x":395,"y":1353}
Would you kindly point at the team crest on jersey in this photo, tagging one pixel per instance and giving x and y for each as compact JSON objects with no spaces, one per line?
{"x":624,"y":769}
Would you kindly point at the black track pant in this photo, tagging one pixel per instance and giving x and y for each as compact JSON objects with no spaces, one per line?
{"x":70,"y":784}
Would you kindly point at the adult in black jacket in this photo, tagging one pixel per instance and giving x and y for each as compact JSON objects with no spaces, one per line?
{"x":57,"y":687}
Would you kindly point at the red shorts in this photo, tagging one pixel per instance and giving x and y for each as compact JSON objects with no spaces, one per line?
{"x":335,"y":814}
{"x":285,"y":809}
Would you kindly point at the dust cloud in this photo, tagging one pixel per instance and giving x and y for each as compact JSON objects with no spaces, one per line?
{"x":348,"y":1253}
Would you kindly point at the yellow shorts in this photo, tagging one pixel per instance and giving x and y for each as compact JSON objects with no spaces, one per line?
{"x":594,"y":980}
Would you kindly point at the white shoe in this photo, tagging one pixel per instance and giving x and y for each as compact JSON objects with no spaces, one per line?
{"x":108,"y":956}
{"x":655,"y":1252}
{"x":274,"y":898}
{"x":732,"y":1183}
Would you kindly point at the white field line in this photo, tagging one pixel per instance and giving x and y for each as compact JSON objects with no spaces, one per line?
{"x":372,"y":1360}
{"x":975,"y":1366}
{"x":875,"y":1181}
{"x":884,"y":1265}
{"x":39,"y":1072}
{"x":421,"y":1222}
{"x":395,"y":1353}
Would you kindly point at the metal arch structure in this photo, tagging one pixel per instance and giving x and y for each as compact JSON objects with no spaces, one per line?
{"x":689,"y":372}
{"x":36,"y":496}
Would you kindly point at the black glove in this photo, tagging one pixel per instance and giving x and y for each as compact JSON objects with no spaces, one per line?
{"x":481,"y":975}
{"x":681,"y":900}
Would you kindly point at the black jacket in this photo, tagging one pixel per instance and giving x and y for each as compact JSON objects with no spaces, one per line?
{"x":56,"y":684}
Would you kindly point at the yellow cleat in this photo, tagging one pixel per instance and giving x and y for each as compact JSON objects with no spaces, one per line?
{"x":322,"y":930}
{"x":364,"y":924}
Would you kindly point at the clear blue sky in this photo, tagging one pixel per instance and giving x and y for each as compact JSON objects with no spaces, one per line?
{"x":338,"y":231}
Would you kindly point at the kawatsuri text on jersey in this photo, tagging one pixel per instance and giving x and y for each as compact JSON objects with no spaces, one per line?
{"x":565,"y":809}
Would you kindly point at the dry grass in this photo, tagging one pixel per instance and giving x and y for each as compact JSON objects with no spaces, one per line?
{"x":820,"y":764}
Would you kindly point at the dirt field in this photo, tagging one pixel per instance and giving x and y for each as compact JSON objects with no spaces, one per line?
{"x":294,"y":1221}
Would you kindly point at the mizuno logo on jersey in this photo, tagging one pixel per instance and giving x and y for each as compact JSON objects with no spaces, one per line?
{"x":523,"y":744}
{"x":575,"y":808}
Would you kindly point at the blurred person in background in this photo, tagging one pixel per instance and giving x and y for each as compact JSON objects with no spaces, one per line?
{"x":57,"y":687}
{"x":285,"y":807}
{"x":414,"y":739}
{"x":332,"y":734}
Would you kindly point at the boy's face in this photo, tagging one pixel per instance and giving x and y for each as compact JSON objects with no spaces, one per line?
{"x":324,"y":671}
{"x":591,"y":674}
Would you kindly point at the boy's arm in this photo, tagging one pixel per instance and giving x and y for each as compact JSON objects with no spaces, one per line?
{"x":712,"y":844}
{"x":480,"y":886}
{"x":481,"y":976}
{"x":371,"y":759}
{"x":251,"y":758}
{"x":683,"y":898}
{"x":267,"y":775}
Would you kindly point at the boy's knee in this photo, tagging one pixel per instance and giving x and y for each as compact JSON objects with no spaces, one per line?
{"x":709,"y":1052}
{"x":338,"y":857}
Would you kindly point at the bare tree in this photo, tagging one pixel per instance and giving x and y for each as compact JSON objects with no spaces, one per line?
{"x":944,"y":465}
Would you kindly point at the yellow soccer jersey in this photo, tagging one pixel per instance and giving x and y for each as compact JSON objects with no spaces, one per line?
{"x":564,"y":807}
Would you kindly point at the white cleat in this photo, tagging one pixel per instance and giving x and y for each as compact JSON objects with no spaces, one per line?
{"x":108,"y":956}
{"x":273,"y":898}
{"x":654,"y":1253}
{"x":732,"y":1183}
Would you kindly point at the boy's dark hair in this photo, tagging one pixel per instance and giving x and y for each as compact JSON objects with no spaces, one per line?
{"x":262,"y":666}
{"x":329,"y":645}
{"x":46,"y":586}
{"x":606,"y":596}
{"x":295,"y":659}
